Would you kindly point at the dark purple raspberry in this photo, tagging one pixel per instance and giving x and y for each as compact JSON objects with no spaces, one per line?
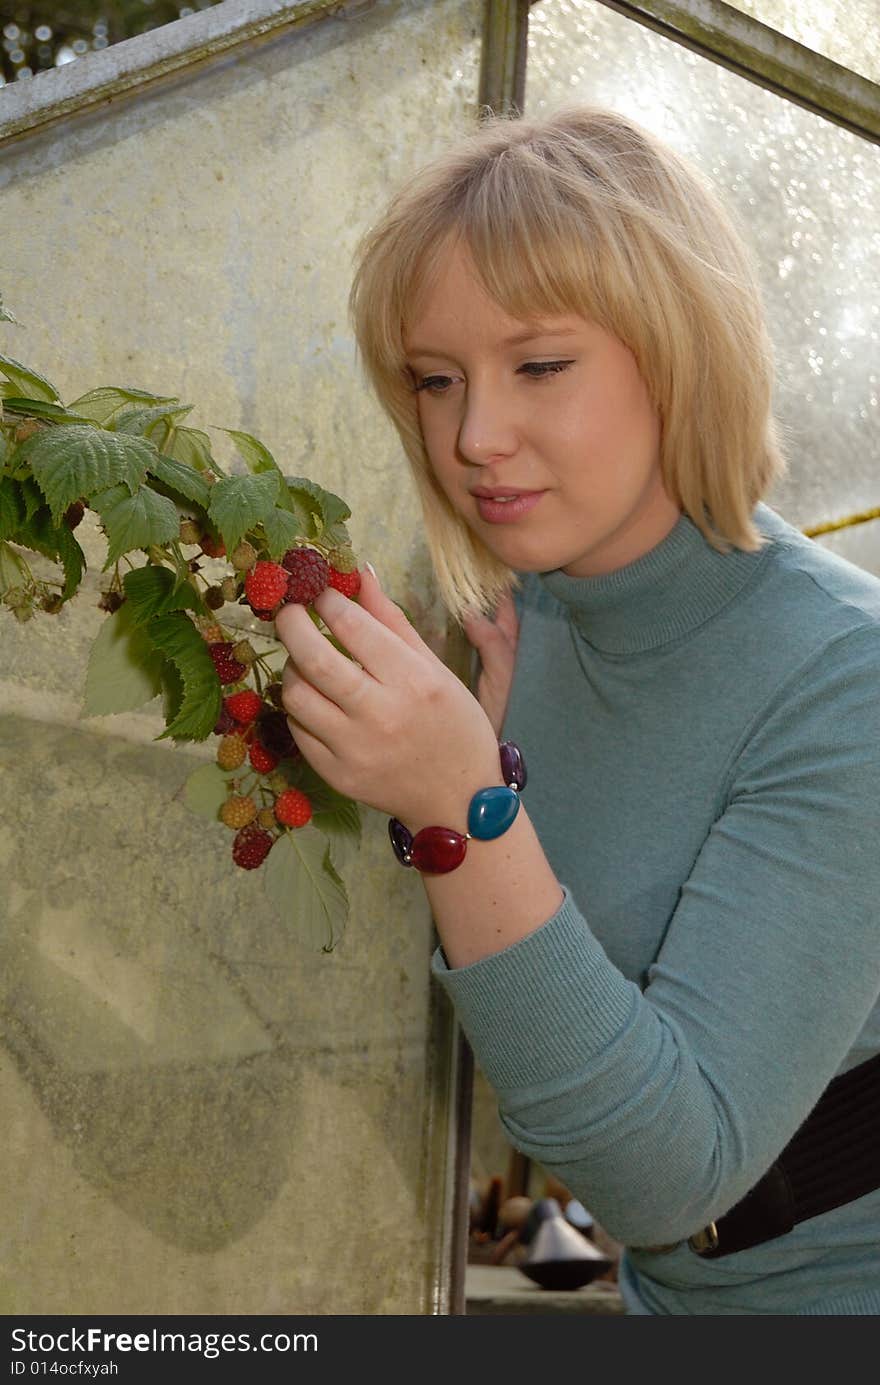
{"x":309,"y":575}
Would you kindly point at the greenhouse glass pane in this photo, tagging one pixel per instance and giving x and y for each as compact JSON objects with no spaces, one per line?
{"x":846,"y":31}
{"x":807,"y":193}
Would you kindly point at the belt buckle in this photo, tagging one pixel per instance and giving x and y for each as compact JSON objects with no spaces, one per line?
{"x":704,"y":1241}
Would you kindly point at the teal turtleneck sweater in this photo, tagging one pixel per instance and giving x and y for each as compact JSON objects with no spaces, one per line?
{"x":702,"y":738}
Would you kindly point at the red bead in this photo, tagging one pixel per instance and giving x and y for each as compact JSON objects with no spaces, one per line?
{"x":436,"y":850}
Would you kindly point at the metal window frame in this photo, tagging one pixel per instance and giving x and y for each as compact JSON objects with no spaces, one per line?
{"x":714,"y":30}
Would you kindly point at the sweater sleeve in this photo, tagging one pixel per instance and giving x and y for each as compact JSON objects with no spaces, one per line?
{"x":660,"y":1109}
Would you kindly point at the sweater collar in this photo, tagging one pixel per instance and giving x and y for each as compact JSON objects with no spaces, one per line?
{"x":665,"y":594}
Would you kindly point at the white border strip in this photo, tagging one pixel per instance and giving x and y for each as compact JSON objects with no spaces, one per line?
{"x":97,"y":77}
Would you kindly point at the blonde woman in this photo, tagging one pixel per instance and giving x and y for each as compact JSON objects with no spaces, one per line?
{"x":658,"y":897}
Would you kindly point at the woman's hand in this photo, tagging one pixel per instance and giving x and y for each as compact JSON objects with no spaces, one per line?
{"x":496,"y":645}
{"x":392,"y":727}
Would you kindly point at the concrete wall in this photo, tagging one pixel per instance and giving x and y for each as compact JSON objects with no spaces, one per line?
{"x":200,"y":1114}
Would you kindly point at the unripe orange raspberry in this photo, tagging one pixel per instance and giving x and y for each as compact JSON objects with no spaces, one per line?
{"x":229,"y":588}
{"x":266,"y":818}
{"x":189,"y":531}
{"x":244,"y":556}
{"x":244,"y":652}
{"x":293,"y":808}
{"x":343,"y":559}
{"x":237,"y":812}
{"x":231,"y":752}
{"x":211,"y":634}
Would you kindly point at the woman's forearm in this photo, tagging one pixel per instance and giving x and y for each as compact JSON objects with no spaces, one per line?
{"x":502,"y":891}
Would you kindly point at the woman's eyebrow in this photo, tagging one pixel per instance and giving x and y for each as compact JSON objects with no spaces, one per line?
{"x":530,"y":334}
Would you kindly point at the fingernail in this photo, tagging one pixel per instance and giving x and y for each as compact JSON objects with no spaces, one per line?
{"x":370,"y":568}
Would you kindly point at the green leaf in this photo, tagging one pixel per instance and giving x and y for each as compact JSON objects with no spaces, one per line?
{"x":325,"y":509}
{"x":206,"y":790}
{"x":192,"y":447}
{"x":179,"y":640}
{"x":124,"y":669}
{"x":54,"y":541}
{"x":13,"y":569}
{"x":102,"y":405}
{"x":256,"y":455}
{"x":25,"y":382}
{"x":77,"y":459}
{"x":39,"y":408}
{"x":179,"y":477}
{"x":237,"y":503}
{"x":6,"y":315}
{"x":337,"y":536}
{"x":139,"y":422}
{"x":305,"y":888}
{"x":32,"y":495}
{"x":154,"y":591}
{"x":172,"y":692}
{"x":135,"y":521}
{"x":73,"y":561}
{"x":282,"y":531}
{"x":12,"y":512}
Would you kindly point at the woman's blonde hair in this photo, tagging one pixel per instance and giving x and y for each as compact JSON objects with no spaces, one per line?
{"x":584,"y":212}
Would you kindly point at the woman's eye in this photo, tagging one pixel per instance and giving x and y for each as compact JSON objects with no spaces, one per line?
{"x":545,"y":367}
{"x":434,"y":383}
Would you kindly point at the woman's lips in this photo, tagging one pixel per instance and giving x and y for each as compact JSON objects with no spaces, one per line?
{"x":503,"y":511}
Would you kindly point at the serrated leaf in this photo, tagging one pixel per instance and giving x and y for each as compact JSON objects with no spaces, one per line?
{"x":172,"y":692}
{"x":78,"y":459}
{"x":73,"y":560}
{"x":54,"y":541}
{"x":13,"y":571}
{"x":305,"y":888}
{"x":206,"y":790}
{"x":40,"y":408}
{"x":192,"y":447}
{"x":179,"y":640}
{"x":153,"y":591}
{"x":135,"y":521}
{"x":12,"y":513}
{"x":101,"y":405}
{"x":124,"y":669}
{"x":257,"y":456}
{"x":139,"y":422}
{"x":179,"y":477}
{"x":237,"y":503}
{"x":337,"y":536}
{"x":32,"y":495}
{"x":281,"y":530}
{"x":22,"y":381}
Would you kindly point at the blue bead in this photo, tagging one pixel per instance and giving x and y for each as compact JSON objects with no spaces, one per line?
{"x":492,"y":811}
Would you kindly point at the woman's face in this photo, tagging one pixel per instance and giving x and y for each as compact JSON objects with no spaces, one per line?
{"x":564,"y":413}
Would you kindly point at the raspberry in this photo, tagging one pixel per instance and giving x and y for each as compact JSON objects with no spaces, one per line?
{"x":229,"y":588}
{"x":274,"y":694}
{"x":231,"y":752}
{"x":349,"y":583}
{"x":215,"y":548}
{"x":244,"y":556}
{"x":266,"y":818}
{"x":229,"y":670}
{"x":343,"y":559}
{"x":74,"y":513}
{"x":237,"y":812}
{"x":264,"y":615}
{"x":214,"y":598}
{"x":244,"y":652}
{"x":244,"y":706}
{"x":189,"y":531}
{"x":265,"y":586}
{"x":262,"y":759}
{"x":293,"y":808}
{"x":251,"y":847}
{"x":274,"y":733}
{"x":211,"y":634}
{"x":309,"y":575}
{"x":110,"y":601}
{"x":225,"y":723}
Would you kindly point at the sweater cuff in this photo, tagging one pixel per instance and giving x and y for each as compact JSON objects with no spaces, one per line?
{"x":542,"y":1007}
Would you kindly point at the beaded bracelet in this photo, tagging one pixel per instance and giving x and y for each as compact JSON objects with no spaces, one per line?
{"x":438,"y":850}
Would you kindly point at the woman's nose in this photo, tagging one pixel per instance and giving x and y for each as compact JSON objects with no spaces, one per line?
{"x":487,"y":429}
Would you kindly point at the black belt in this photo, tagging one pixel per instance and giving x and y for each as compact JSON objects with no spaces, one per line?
{"x":832,"y":1159}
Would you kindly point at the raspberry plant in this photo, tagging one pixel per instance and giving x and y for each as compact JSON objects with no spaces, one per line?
{"x":174,"y":630}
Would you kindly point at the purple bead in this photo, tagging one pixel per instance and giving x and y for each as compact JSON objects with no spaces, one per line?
{"x":401,"y":840}
{"x":437,"y":850}
{"x":513,"y":766}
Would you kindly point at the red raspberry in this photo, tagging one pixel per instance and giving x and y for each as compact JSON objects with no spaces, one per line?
{"x":265,"y":586}
{"x":243,"y":706}
{"x":293,"y":808}
{"x":262,"y":759}
{"x":215,"y":548}
{"x":309,"y":575}
{"x":349,"y":583}
{"x":275,"y":735}
{"x":229,"y":670}
{"x":251,"y":847}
